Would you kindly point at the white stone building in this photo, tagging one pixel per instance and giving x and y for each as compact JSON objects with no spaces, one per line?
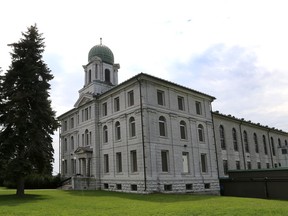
{"x":151,"y":135}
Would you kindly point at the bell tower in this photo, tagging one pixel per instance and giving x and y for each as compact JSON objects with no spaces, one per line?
{"x":101,"y":73}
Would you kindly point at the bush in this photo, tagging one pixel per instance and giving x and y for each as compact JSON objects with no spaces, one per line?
{"x":37,"y":181}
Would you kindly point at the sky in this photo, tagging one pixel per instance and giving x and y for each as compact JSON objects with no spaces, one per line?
{"x":234,"y":50}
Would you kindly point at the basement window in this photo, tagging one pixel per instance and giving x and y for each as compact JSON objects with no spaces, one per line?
{"x":207,"y":186}
{"x":189,"y":187}
{"x":119,"y":186}
{"x":133,"y":187}
{"x":168,"y":187}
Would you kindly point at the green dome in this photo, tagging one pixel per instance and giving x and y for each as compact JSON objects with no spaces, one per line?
{"x":102,"y":52}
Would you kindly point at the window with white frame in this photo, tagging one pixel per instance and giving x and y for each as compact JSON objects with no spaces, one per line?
{"x":162,"y":126}
{"x":183,"y":130}
{"x":86,"y":137}
{"x":117,"y":131}
{"x":106,"y":163}
{"x":116,"y":104}
{"x":132,"y":129}
{"x":234,"y":137}
{"x":201,"y":133}
{"x":104,"y":109}
{"x":181,"y":105}
{"x":105,"y":134}
{"x":203,"y":158}
{"x":165,"y":160}
{"x":246,"y":143}
{"x":225,"y":167}
{"x":65,"y":145}
{"x":130,"y":98}
{"x":256,"y":143}
{"x":265,"y":145}
{"x":273,"y":146}
{"x":185,"y":162}
{"x":238,"y":165}
{"x":222,"y":137}
{"x":72,"y":142}
{"x":118,"y":162}
{"x":160,"y":97}
{"x":133,"y":159}
{"x":71,"y":122}
{"x":198,"y":108}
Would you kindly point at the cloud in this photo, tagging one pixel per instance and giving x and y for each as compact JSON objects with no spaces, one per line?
{"x":242,"y":88}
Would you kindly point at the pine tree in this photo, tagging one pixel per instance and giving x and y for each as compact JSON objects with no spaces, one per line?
{"x":26,"y":117}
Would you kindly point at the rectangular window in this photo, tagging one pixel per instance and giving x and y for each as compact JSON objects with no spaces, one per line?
{"x":73,"y":166}
{"x":86,"y":114}
{"x":267,"y":165}
{"x":130,"y":98}
{"x":118,"y":162}
{"x":167,"y":187}
{"x":259,"y":165}
{"x":164,"y":160}
{"x":82,"y":115}
{"x":185,"y":162}
{"x":204,"y":168}
{"x":249,"y":165}
{"x":160,"y":97}
{"x":284,"y":151}
{"x":89,"y":113}
{"x":116,"y":104}
{"x":65,"y":126}
{"x":119,"y":186}
{"x":72,"y":122}
{"x":106,"y":163}
{"x":181,"y":105}
{"x":104,"y":109}
{"x":198,"y":108}
{"x":133,"y":156}
{"x":225,"y":167}
{"x":238,"y":165}
{"x":189,"y":187}
{"x":133,"y":187}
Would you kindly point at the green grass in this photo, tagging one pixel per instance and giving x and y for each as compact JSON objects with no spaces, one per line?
{"x":81,"y":203}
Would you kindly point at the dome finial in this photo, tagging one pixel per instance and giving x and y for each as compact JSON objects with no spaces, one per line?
{"x":101,"y":41}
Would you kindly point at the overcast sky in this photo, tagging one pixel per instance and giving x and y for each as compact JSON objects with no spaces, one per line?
{"x":234,"y":50}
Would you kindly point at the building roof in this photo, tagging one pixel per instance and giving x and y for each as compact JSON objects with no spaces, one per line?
{"x":248,"y":122}
{"x":148,"y":76}
{"x":102,"y":52}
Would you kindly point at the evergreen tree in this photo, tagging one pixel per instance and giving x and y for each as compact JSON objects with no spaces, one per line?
{"x":26,"y":117}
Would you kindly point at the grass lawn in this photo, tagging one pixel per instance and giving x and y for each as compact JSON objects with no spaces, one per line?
{"x":80,"y":203}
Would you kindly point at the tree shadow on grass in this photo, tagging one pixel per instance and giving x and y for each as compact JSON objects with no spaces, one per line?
{"x":154,"y":197}
{"x":14,"y":200}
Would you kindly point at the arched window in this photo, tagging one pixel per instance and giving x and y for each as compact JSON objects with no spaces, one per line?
{"x":117,"y":131}
{"x":107,"y":76}
{"x":246,"y":143}
{"x":265,"y":145}
{"x":256,"y":143}
{"x":183,"y":130}
{"x":86,"y":137}
{"x":279,"y":142}
{"x":222,"y":137}
{"x":105,"y":134}
{"x":162,"y":126}
{"x":272,"y":146}
{"x":201,"y":133}
{"x":72,"y":143}
{"x":132,"y":129}
{"x":235,"y":142}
